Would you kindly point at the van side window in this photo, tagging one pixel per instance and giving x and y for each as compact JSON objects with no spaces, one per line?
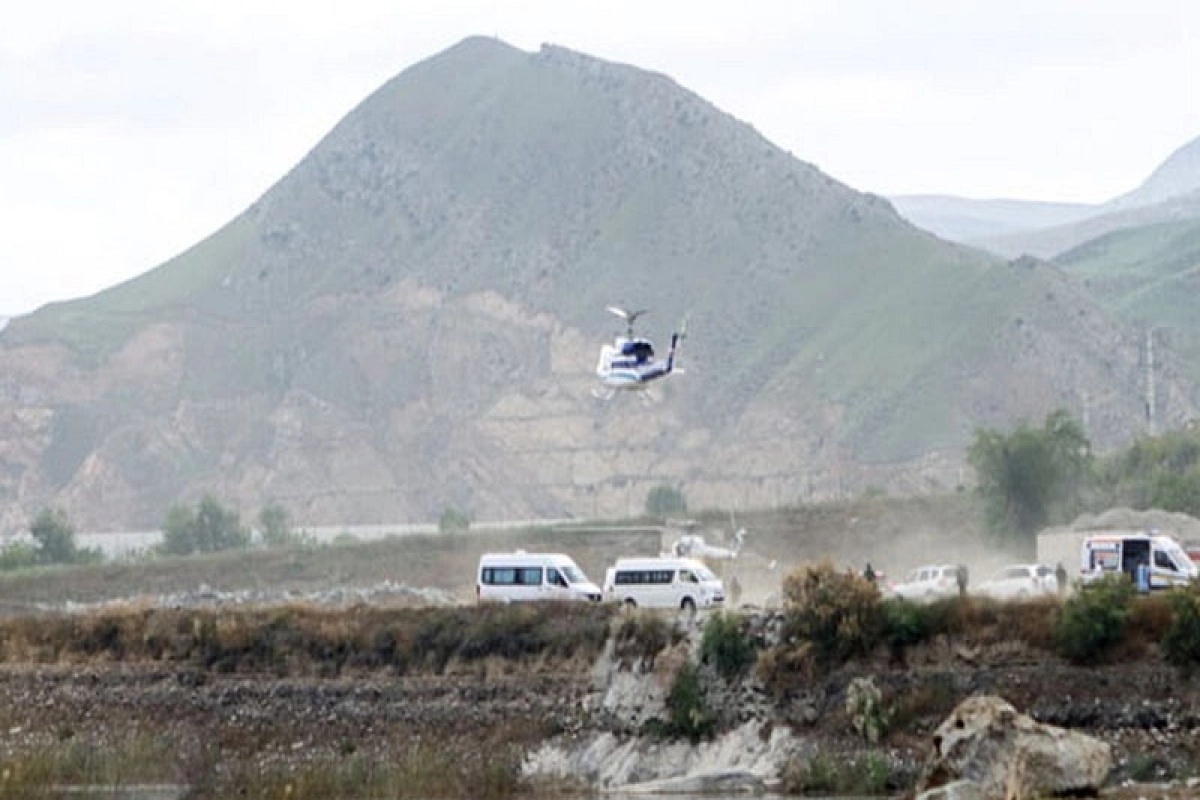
{"x":529,"y":576}
{"x":1164,"y":561}
{"x":643,"y":576}
{"x":686,"y":576}
{"x":499,"y":576}
{"x":555,"y":578}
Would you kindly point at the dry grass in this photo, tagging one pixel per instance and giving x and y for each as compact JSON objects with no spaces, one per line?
{"x":642,"y":634}
{"x":140,"y":758}
{"x":303,"y":640}
{"x":831,"y":617}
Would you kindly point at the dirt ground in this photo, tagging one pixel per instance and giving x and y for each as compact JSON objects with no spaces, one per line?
{"x":893,"y":534}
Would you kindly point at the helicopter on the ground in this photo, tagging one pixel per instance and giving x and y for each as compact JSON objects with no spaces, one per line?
{"x":628,"y":363}
{"x":693,"y":545}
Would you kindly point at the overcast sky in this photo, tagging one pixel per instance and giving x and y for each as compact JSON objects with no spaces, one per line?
{"x":130,"y":129}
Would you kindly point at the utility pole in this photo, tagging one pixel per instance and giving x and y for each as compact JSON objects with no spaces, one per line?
{"x":1087,"y":413}
{"x":1150,"y":426}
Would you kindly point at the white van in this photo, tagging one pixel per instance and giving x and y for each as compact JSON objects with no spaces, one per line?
{"x":1124,"y":552}
{"x":664,"y":582}
{"x":511,"y":577}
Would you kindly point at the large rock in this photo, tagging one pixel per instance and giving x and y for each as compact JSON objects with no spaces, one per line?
{"x":746,"y":759}
{"x":1010,"y":756}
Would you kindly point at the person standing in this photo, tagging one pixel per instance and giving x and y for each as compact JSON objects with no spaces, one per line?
{"x":961,"y":576}
{"x":1060,"y":577}
{"x":869,"y":573}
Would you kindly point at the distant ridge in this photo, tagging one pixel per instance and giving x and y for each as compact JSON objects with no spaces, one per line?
{"x":408,"y":322}
{"x":1053,"y":241}
{"x":1012,"y":228}
{"x":960,"y":219}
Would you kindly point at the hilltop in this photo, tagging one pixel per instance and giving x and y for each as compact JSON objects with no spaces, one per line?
{"x":407,"y":321}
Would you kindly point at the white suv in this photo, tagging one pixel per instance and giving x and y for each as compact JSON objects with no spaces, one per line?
{"x":929,"y":583}
{"x":1020,"y":581}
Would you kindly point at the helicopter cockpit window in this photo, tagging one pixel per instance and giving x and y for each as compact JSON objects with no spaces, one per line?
{"x":638,"y":349}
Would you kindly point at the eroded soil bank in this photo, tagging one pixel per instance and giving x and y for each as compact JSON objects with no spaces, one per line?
{"x":311,"y":702}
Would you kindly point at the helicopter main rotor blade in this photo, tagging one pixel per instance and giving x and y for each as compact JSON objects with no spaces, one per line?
{"x":618,"y":311}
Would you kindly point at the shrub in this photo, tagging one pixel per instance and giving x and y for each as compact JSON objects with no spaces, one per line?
{"x":665,"y":499}
{"x":1093,"y":621}
{"x":18,"y":555}
{"x":643,"y":635}
{"x":726,"y":645}
{"x":822,"y":775}
{"x":839,"y":613}
{"x":687,"y":706}
{"x":1181,"y":643}
{"x":453,"y":520}
{"x":275,"y":524}
{"x":864,"y":706}
{"x":924,"y":705}
{"x":905,"y":623}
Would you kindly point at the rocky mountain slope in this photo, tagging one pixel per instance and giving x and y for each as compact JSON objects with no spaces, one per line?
{"x":408,"y":321}
{"x":1177,"y":176}
{"x":1148,"y":275}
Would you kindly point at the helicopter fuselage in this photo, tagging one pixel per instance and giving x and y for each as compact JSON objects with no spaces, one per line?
{"x":629,"y":363}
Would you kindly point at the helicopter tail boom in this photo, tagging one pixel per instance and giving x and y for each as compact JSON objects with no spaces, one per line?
{"x":671,"y":352}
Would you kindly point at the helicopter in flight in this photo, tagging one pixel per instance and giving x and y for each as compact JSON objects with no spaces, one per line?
{"x":628,"y":364}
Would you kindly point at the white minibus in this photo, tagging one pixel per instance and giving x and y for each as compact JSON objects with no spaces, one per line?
{"x":663,"y":582}
{"x":511,"y":577}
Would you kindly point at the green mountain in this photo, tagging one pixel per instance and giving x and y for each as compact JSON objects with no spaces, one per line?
{"x":1052,"y":241}
{"x":408,"y":321}
{"x":1150,"y":276}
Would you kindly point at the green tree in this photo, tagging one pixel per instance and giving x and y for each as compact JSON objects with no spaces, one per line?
{"x":1032,"y":476}
{"x":55,"y":537}
{"x":179,"y":531}
{"x":275,"y":523}
{"x":207,"y":529}
{"x":18,"y":555}
{"x":1156,"y":472}
{"x":454,"y":521}
{"x":665,"y":499}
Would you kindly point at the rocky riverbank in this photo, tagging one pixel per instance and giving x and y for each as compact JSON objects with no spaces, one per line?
{"x":482,"y":701}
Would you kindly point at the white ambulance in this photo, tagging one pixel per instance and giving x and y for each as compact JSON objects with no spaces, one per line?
{"x":521,"y":576}
{"x":1111,"y":552}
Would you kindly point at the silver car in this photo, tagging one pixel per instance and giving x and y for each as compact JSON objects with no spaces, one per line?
{"x":928,"y":583}
{"x":1020,"y":582}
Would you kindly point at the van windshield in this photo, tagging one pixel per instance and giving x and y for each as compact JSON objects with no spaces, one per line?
{"x":704,"y":574}
{"x":1181,"y":559}
{"x":573,"y":574}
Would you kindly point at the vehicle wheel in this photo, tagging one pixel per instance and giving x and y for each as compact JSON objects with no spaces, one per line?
{"x":630,"y":603}
{"x":688,"y":605}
